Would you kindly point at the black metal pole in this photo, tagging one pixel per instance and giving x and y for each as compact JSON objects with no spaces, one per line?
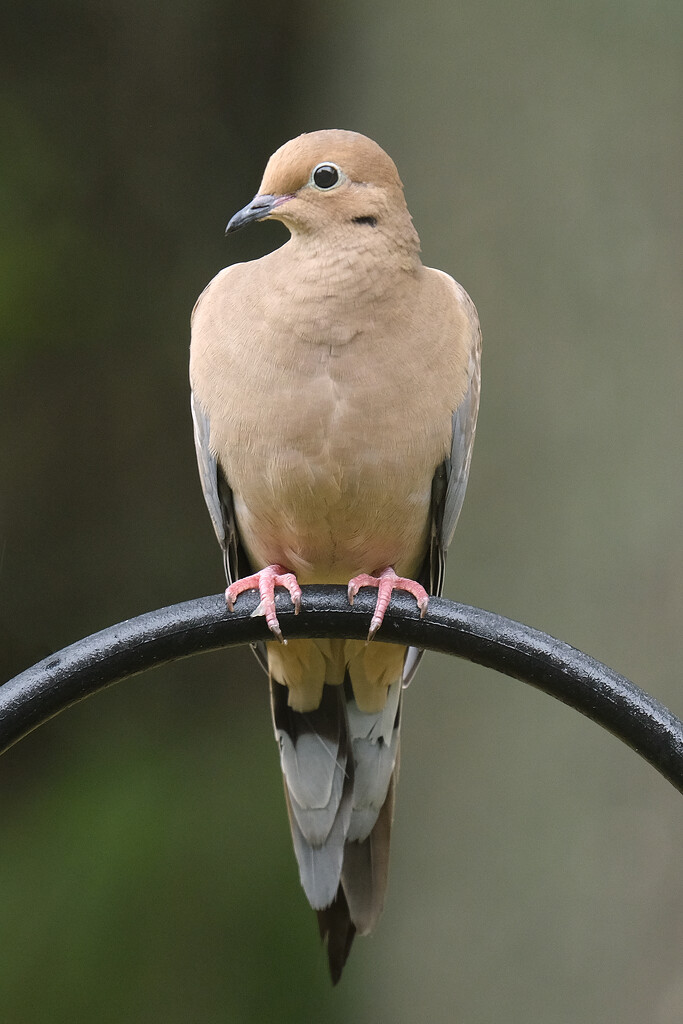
{"x":104,"y":658}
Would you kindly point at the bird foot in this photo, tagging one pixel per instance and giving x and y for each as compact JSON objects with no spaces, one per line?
{"x":386,"y":582}
{"x":265,"y":581}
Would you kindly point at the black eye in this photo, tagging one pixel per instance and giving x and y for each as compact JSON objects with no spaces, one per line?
{"x":325,"y":176}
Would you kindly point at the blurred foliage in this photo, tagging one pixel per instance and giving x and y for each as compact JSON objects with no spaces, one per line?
{"x":144,"y":853}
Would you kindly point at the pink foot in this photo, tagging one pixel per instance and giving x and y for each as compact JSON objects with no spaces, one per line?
{"x":266,"y":580}
{"x":386,"y":582}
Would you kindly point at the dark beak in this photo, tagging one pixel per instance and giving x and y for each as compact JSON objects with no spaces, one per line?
{"x":259,"y":208}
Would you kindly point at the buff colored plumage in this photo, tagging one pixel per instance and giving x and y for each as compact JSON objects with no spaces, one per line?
{"x":335,"y":389}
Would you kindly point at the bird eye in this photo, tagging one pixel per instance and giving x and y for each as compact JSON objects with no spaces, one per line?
{"x":326,"y":176}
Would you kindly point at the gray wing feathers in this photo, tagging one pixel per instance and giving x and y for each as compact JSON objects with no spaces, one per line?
{"x":450,"y":478}
{"x":458,"y":466}
{"x":208,"y":470}
{"x":218,"y":498}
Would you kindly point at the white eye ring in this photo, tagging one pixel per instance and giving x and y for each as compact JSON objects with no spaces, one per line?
{"x":326,"y":176}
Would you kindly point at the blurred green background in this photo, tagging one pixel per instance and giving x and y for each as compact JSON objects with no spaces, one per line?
{"x":146,"y":872}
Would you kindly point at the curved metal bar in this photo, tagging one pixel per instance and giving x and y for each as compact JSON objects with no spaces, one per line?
{"x":572,"y":677}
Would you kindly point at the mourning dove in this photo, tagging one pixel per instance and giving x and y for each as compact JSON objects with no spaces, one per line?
{"x":335,"y":387}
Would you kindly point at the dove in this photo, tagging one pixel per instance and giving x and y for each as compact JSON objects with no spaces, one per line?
{"x":335,"y":387}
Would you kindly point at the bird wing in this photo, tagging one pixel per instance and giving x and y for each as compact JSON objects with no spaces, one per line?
{"x":450,"y":480}
{"x":219,"y":501}
{"x":464,"y":426}
{"x":217,"y":493}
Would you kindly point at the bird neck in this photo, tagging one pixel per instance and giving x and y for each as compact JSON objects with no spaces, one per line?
{"x":340,"y":282}
{"x":357,"y":254}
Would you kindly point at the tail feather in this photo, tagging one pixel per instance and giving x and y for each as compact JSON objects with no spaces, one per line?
{"x":337,"y":931}
{"x":320,"y":867}
{"x":339,"y":766}
{"x":359,"y":900}
{"x":366,"y":869}
{"x":318,"y":778}
{"x":375,"y":739}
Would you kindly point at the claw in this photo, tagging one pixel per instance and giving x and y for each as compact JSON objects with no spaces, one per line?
{"x":265,"y":581}
{"x":386,"y":583}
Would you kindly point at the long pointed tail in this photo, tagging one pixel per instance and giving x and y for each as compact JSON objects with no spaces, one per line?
{"x":339,"y":766}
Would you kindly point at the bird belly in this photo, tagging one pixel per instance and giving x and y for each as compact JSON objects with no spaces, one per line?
{"x":327,"y":519}
{"x":330,"y":464}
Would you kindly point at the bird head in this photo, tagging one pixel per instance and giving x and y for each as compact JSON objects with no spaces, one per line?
{"x":327,"y":178}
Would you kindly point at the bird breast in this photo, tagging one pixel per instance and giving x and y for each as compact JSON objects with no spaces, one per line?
{"x":341,"y":487}
{"x":328,"y":432}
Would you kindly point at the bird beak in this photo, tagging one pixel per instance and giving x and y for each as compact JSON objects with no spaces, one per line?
{"x":258,"y":209}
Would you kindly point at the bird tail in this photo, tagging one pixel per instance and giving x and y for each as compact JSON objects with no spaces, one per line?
{"x":339,"y":766}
